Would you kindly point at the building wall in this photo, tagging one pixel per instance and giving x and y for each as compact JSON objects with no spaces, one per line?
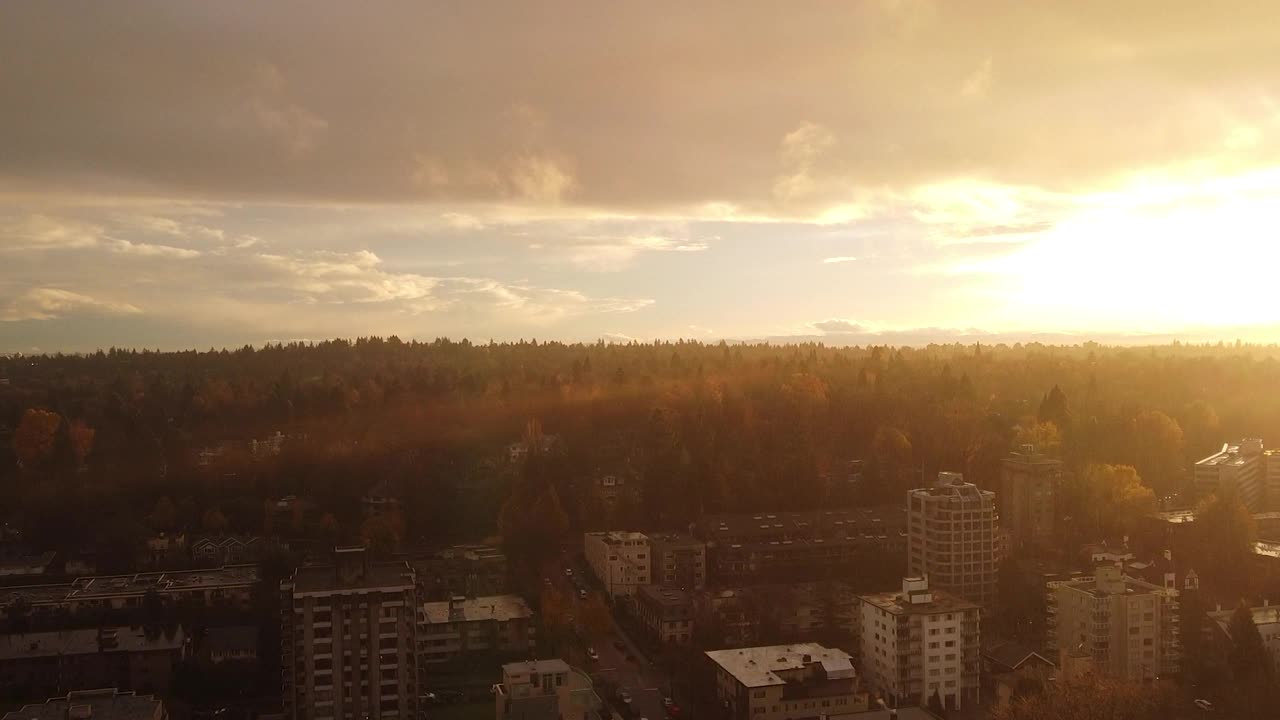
{"x":442,"y":642}
{"x":1028,"y":498}
{"x":379,"y":677}
{"x":1129,"y":635}
{"x":907,"y":656}
{"x":620,"y":561}
{"x":953,"y":541}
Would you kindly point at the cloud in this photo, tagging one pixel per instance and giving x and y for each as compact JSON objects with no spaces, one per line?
{"x":606,"y":253}
{"x":45,"y":303}
{"x":839,"y":259}
{"x":777,"y":121}
{"x":841,"y":327}
{"x":125,"y":246}
{"x":46,"y":232}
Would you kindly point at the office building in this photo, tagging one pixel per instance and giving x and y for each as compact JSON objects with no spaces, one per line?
{"x":666,"y":614}
{"x":460,"y":627}
{"x":105,"y":704}
{"x":779,"y":682}
{"x":1029,"y":483}
{"x":619,"y":560}
{"x":1237,"y":467}
{"x":920,"y":641}
{"x":952,"y":539}
{"x":52,"y":663}
{"x":545,"y":690}
{"x":349,"y":640}
{"x":678,"y":561}
{"x":1271,"y":485}
{"x":1125,"y":627}
{"x":799,"y":546}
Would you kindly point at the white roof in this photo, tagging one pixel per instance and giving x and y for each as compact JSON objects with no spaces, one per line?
{"x":759,"y":666}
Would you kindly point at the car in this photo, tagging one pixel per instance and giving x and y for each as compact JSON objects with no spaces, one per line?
{"x":667,"y":702}
{"x":1204,"y":705}
{"x":582,"y":594}
{"x":673,"y":711}
{"x":624,"y":696}
{"x":593,"y":655}
{"x":568,"y":572}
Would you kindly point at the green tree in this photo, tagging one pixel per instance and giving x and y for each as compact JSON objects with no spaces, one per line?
{"x":1158,"y":456}
{"x":214,"y":521}
{"x":1096,"y":698}
{"x":1248,"y":657}
{"x":1225,"y":534}
{"x":1109,"y":499}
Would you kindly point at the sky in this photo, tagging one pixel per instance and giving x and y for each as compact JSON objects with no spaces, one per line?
{"x":179,"y":174}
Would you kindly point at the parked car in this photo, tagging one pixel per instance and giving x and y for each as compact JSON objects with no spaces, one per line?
{"x":568,"y":572}
{"x":582,"y":594}
{"x":593,"y":655}
{"x":624,"y":696}
{"x":1204,"y":705}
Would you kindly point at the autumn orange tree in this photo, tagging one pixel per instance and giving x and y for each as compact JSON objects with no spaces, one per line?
{"x":33,"y":441}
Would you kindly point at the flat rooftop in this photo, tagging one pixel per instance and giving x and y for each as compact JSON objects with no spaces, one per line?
{"x":541,"y":667}
{"x":1265,"y":615}
{"x":499,"y":608}
{"x":324,"y":578}
{"x":614,"y":537}
{"x":896,"y":603}
{"x":87,"y":641}
{"x":759,"y":666}
{"x":108,"y":586}
{"x":107,"y":704}
{"x":670,"y":597}
{"x":1132,"y":586}
{"x":825,"y":524}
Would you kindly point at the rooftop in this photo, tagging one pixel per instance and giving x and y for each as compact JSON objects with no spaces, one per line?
{"x":500,"y":608}
{"x":109,"y":704}
{"x":1131,"y":585}
{"x":376,"y":575}
{"x":759,"y":666}
{"x":87,"y":641}
{"x":618,"y":536}
{"x":956,"y":489}
{"x":541,"y":667}
{"x":896,"y":602}
{"x":664,"y":596}
{"x":106,"y":586}
{"x":1237,"y":453}
{"x":1265,"y":615}
{"x":674,"y":540}
{"x":1011,"y":655}
{"x":824,"y":524}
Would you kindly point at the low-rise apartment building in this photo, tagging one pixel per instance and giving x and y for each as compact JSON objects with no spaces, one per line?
{"x":545,"y":690}
{"x":349,"y":640}
{"x":666,"y":614}
{"x":472,"y":627}
{"x":786,"y":682}
{"x":620,"y":560}
{"x":677,"y":561}
{"x":1126,"y":627}
{"x":471,"y":570}
{"x":797,"y":546}
{"x":106,"y":704}
{"x":921,"y":641}
{"x":52,"y":663}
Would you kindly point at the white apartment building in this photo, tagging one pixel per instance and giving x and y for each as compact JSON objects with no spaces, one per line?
{"x":461,"y":626}
{"x":952,"y":538}
{"x":1237,"y":466}
{"x":921,"y":641}
{"x":786,"y":682}
{"x":545,"y":690}
{"x":620,"y":560}
{"x":349,"y":640}
{"x":1126,"y":627}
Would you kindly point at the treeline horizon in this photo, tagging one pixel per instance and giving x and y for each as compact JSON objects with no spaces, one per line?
{"x":90,"y":443}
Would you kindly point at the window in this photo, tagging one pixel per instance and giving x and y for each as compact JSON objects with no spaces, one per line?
{"x":951,"y":643}
{"x":951,"y":656}
{"x":934,"y":645}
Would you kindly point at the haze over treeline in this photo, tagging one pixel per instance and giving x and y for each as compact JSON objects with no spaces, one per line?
{"x":700,"y":428}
